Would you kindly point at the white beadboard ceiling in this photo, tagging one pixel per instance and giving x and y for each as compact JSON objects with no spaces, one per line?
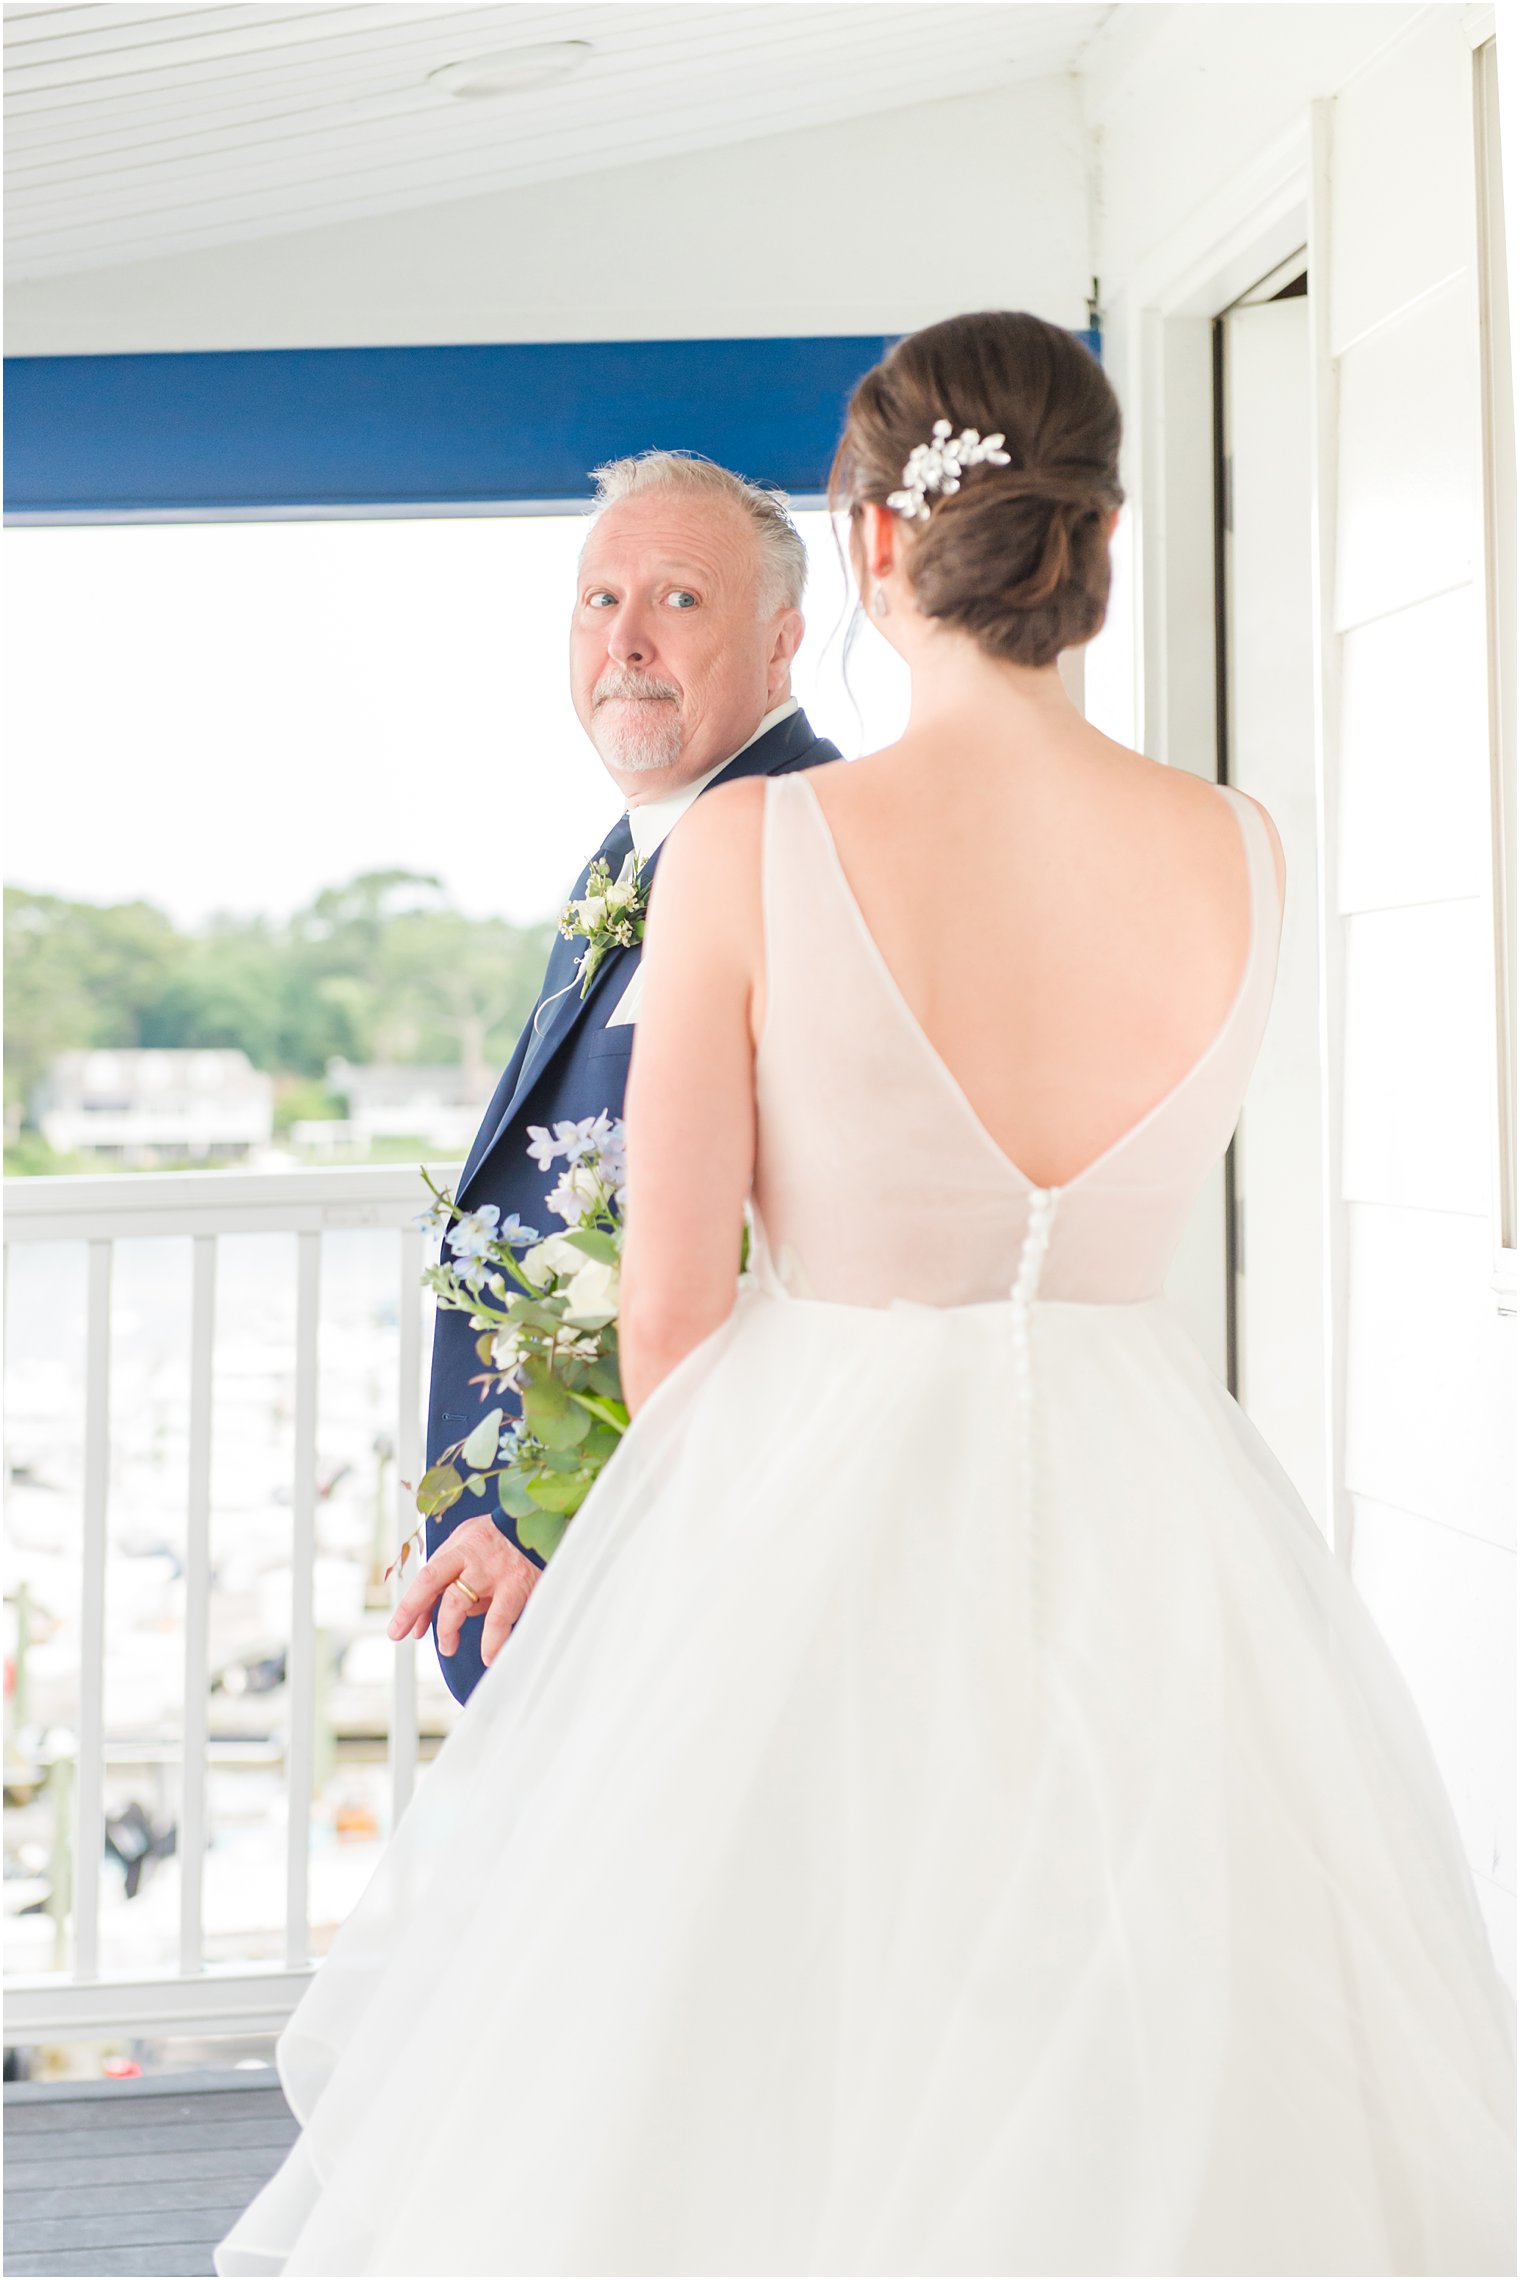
{"x":138,"y":130}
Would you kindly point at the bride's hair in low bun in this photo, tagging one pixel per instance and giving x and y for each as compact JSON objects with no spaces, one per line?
{"x":1018,"y":555}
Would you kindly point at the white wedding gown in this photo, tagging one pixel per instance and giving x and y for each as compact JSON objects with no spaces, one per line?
{"x":944,"y":1809}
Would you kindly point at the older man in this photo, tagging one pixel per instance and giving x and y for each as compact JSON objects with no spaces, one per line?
{"x":687,"y":618}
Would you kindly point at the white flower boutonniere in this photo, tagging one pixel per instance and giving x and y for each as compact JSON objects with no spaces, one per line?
{"x":610,"y":914}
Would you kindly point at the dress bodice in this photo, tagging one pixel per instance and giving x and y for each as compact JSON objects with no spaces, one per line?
{"x":875,"y":1178}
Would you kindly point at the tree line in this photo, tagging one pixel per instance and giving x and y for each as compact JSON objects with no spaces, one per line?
{"x":382,"y":969}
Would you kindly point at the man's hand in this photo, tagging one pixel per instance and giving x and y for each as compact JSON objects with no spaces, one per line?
{"x":495,"y":1571}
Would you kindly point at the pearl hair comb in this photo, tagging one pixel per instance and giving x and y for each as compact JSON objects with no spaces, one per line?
{"x":938,"y":466}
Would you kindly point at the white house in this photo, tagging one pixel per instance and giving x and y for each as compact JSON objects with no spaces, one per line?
{"x":156,"y":1105}
{"x":440,"y":1106}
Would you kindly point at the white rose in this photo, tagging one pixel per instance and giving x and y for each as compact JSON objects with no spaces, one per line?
{"x":619,"y":895}
{"x":593,"y":1295}
{"x":553,"y":1256}
{"x":592,"y":911}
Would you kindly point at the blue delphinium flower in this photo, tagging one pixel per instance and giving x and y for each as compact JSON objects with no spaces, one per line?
{"x":472,"y":1231}
{"x":542,"y":1146}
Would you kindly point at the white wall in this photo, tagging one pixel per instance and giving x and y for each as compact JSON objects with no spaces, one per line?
{"x":1204,"y":132}
{"x":1185,"y":100}
{"x":878,"y":225}
{"x":1429,"y":1447}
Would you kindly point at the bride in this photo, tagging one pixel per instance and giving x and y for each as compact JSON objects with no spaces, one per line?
{"x":944,"y":1810}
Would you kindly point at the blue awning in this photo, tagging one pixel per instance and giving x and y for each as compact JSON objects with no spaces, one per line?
{"x":366,"y":428}
{"x":354,"y":428}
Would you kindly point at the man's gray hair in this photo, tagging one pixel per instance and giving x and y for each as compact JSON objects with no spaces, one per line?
{"x":783,"y":557}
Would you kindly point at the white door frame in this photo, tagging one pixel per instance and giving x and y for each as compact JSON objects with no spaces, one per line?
{"x":1158,"y":343}
{"x":1265,"y":637}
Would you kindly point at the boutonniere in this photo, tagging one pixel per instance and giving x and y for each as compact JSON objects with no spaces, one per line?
{"x":609,"y":915}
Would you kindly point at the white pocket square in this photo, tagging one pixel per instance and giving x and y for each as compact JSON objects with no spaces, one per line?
{"x":626,"y":1011}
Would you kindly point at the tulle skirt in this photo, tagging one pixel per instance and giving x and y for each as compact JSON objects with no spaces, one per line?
{"x":943,"y":1811}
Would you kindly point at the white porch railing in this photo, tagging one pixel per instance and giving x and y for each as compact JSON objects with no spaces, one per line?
{"x":204,"y":1207}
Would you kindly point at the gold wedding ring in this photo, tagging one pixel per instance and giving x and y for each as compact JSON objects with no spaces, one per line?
{"x":472,"y":1596}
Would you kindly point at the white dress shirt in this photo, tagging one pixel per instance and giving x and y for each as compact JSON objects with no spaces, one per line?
{"x":656,"y":819}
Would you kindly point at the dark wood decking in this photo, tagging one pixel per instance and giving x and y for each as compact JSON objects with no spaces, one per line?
{"x":135,"y":2177}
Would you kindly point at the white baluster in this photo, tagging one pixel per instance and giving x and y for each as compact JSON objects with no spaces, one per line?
{"x":202,"y":1207}
{"x":403,"y":1738}
{"x":192,"y":1820}
{"x":301,"y":1673}
{"x":89,"y":1814}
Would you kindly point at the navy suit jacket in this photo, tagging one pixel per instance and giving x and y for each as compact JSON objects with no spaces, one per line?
{"x":574,"y":1066}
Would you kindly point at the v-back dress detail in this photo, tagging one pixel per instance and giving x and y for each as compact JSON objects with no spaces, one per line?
{"x":932,"y":1207}
{"x":943,"y":1810}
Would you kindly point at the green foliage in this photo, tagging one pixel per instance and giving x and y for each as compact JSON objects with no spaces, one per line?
{"x":78,"y":974}
{"x":437,"y":1490}
{"x":549,"y":1413}
{"x":480,"y":1447}
{"x":410,"y":977}
{"x":539,"y":1341}
{"x":28,"y":1156}
{"x":541,"y":1531}
{"x":303,"y":1100}
{"x":513,"y":1497}
{"x":382,"y":969}
{"x":226,"y":990}
{"x":595,"y":1243}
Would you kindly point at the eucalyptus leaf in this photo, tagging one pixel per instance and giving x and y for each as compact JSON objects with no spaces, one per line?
{"x":540,"y":1532}
{"x":437,"y":1490}
{"x":513,"y":1497}
{"x":542,"y":1385}
{"x":603,"y":1377}
{"x":475,"y":1485}
{"x":566,"y":1432}
{"x":560,"y":1492}
{"x":552,"y":1416}
{"x":480,"y":1448}
{"x":594,"y":1243}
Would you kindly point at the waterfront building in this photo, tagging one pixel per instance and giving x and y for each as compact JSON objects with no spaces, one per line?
{"x":156,"y":1106}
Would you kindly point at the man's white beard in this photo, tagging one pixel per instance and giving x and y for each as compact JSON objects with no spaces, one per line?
{"x":643,"y":732}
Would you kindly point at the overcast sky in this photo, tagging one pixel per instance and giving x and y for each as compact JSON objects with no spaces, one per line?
{"x":230,"y":716}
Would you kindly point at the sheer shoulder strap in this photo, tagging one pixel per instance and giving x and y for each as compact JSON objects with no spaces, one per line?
{"x":1266,"y":896}
{"x":804,"y":927}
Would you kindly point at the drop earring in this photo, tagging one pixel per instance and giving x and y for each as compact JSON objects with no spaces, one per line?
{"x":878,"y":601}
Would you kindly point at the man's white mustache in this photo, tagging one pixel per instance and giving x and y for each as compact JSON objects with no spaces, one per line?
{"x":614,"y":685}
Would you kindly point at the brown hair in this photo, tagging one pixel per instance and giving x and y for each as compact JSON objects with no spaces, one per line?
{"x":1018,"y":556}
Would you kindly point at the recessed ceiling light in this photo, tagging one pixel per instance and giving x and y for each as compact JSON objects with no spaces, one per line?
{"x":509,"y":70}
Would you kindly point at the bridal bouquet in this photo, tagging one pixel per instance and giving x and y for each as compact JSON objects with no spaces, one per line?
{"x":545,"y":1309}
